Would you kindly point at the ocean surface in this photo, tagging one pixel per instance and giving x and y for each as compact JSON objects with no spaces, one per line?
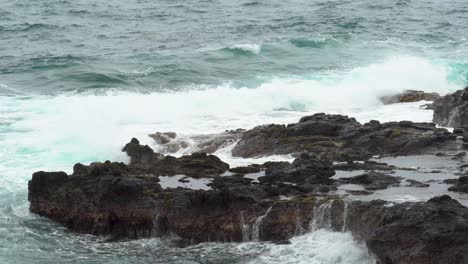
{"x":79,"y":78}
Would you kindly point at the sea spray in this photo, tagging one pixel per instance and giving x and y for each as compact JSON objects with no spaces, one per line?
{"x":345,"y":217}
{"x":252,"y":232}
{"x":245,"y":228}
{"x":256,"y":232}
{"x":299,"y":229}
{"x":329,"y":215}
{"x":322,"y":216}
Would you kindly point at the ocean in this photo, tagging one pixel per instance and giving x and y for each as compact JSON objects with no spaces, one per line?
{"x":79,"y":79}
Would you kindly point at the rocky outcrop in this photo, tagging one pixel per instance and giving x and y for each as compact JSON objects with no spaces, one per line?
{"x":194,"y":165}
{"x":460,"y":185}
{"x":169,"y":142}
{"x":135,"y":206}
{"x":127,"y":201}
{"x":140,"y":156}
{"x":273,"y":201}
{"x":409,"y":96}
{"x":451,"y":110}
{"x":413,"y":233}
{"x":339,"y":137}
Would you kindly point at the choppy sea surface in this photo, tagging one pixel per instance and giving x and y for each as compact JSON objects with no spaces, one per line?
{"x":79,"y":78}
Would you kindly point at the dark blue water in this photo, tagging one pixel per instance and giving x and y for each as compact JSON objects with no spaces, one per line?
{"x":55,"y":46}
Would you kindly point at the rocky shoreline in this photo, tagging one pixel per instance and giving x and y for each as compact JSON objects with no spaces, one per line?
{"x":337,"y":172}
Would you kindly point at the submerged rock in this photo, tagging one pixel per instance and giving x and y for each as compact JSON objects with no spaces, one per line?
{"x":414,"y":183}
{"x":461,"y":185}
{"x":373,"y":181}
{"x":409,"y":96}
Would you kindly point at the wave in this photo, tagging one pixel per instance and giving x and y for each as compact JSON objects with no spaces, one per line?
{"x":245,"y":49}
{"x":95,"y":78}
{"x":87,"y":127}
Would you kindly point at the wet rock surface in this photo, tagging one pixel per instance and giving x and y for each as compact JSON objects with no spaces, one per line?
{"x":409,"y":96}
{"x":416,"y":233}
{"x":194,"y":165}
{"x":340,"y":138}
{"x":373,"y":180}
{"x":461,"y":185}
{"x":332,"y":184}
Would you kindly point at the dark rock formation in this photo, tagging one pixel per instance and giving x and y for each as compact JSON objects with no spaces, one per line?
{"x":413,"y":233}
{"x":128,"y":201}
{"x":136,"y":207}
{"x":409,"y":96}
{"x":414,"y":183}
{"x":366,"y":165}
{"x":195,"y":165}
{"x":373,"y":180}
{"x":253,"y":168}
{"x":163,"y":137}
{"x":461,"y":185}
{"x":451,"y":110}
{"x":141,"y":156}
{"x":340,"y":138}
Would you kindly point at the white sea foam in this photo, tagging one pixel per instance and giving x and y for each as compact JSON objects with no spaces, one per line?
{"x":319,"y":247}
{"x":254,"y":48}
{"x":85,"y":127}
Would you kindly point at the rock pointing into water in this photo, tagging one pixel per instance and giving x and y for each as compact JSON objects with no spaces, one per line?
{"x":452,"y":110}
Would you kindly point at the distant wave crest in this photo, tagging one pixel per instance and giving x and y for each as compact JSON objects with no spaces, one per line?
{"x":245,"y":49}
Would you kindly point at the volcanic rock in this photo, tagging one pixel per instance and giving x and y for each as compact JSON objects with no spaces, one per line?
{"x":409,"y":96}
{"x":451,"y":110}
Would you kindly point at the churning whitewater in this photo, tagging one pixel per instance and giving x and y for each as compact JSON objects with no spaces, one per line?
{"x":79,"y":79}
